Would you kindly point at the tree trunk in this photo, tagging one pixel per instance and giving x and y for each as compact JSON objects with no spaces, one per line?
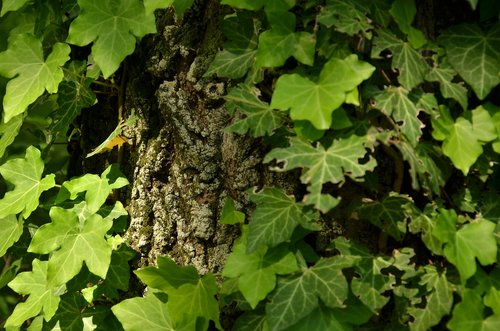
{"x":182,"y":165}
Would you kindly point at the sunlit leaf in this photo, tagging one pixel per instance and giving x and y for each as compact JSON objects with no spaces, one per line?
{"x":11,"y":230}
{"x":349,"y":17}
{"x":31,"y":74}
{"x":113,"y":27}
{"x":468,"y":315}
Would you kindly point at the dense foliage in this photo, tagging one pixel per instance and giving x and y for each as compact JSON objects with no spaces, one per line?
{"x":395,"y":132}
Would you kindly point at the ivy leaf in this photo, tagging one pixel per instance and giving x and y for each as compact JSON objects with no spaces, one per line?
{"x":191,"y":301}
{"x":71,"y":98}
{"x":257,"y":271}
{"x":281,"y":42}
{"x":148,"y":313}
{"x":462,"y":247}
{"x":72,"y":243}
{"x":409,"y":63}
{"x":444,"y":75}
{"x":10,"y":232}
{"x":369,"y":284}
{"x":9,"y":131}
{"x":463,"y":140}
{"x":26,"y":175}
{"x":423,"y":222}
{"x":388,"y":214}
{"x":439,"y":300}
{"x":43,"y":296}
{"x":229,"y":214}
{"x":315,"y":101}
{"x":322,"y":166}
{"x":97,"y":188}
{"x":321,"y":318}
{"x":167,"y":275}
{"x":250,"y":321}
{"x":394,"y":101}
{"x":238,"y":54}
{"x":151,"y":5}
{"x":297,"y":297}
{"x":404,"y":12}
{"x":113,"y":27}
{"x":275,"y":218}
{"x":260,"y":118}
{"x":12,"y":5}
{"x":475,"y":55}
{"x":348,"y":17}
{"x":468,"y":315}
{"x":31,"y":75}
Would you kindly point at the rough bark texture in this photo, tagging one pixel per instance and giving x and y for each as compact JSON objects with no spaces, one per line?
{"x":182,"y":165}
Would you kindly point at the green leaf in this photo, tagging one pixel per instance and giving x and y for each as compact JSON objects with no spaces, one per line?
{"x":250,"y":321}
{"x":167,"y":275}
{"x":260,"y":118}
{"x":97,"y":188}
{"x":475,"y":55}
{"x":463,"y":140}
{"x":275,"y":218}
{"x":388,"y":214}
{"x":444,"y":74}
{"x":315,"y":101}
{"x":9,"y":131}
{"x":405,"y":59}
{"x":195,"y":300}
{"x":348,"y":17}
{"x":238,"y":54}
{"x":468,"y":315}
{"x":72,"y":243}
{"x":492,"y":300}
{"x":257,"y":271}
{"x":297,"y":297}
{"x":11,"y":230}
{"x":71,"y":98}
{"x":438,"y":298}
{"x":151,"y":5}
{"x":473,"y":3}
{"x":229,"y":214}
{"x":394,"y":101}
{"x":404,"y":12}
{"x":322,"y":166}
{"x":462,"y":247}
{"x":26,"y":175}
{"x":423,"y":222}
{"x":43,"y":296}
{"x":12,"y":5}
{"x":147,"y":313}
{"x":281,"y":42}
{"x":31,"y":75}
{"x":113,"y":27}
{"x":321,"y":318}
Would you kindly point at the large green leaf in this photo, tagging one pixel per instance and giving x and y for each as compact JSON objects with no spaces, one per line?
{"x":281,"y":42}
{"x":114,"y":27}
{"x":322,"y":166}
{"x":9,"y":131}
{"x":43,"y":296}
{"x":471,"y":241}
{"x":468,"y":315}
{"x":439,"y":300}
{"x":71,"y":244}
{"x":315,"y":101}
{"x":349,"y":17}
{"x":191,"y":301}
{"x":296,"y":297}
{"x":12,"y":5}
{"x":260,"y":118}
{"x":394,"y":101}
{"x":275,"y":218}
{"x":11,"y":230}
{"x":238,"y":54}
{"x":388,"y":214}
{"x":257,"y":271}
{"x":463,"y":140}
{"x":97,"y":188}
{"x":148,"y":313}
{"x":405,"y":59}
{"x":31,"y":74}
{"x":26,"y":175}
{"x":475,"y":55}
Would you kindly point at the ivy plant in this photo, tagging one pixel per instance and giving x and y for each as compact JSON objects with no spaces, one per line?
{"x":393,"y":125}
